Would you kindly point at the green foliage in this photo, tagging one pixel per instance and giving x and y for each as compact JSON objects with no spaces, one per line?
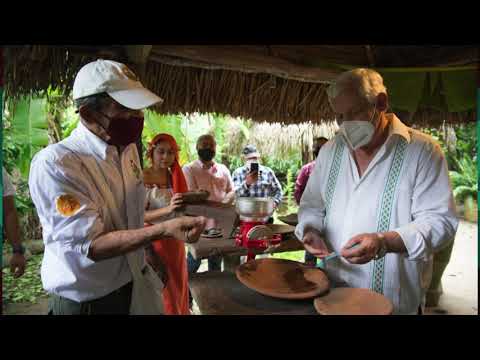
{"x":281,"y":167}
{"x":186,"y":130}
{"x":218,"y":129}
{"x":26,"y":132}
{"x":461,"y":156}
{"x":290,"y":206}
{"x":234,"y":163}
{"x":10,"y":150}
{"x":244,"y":128}
{"x":290,"y":185}
{"x":27,"y":288}
{"x":465,"y":144}
{"x":464,"y":181}
{"x":70,"y":121}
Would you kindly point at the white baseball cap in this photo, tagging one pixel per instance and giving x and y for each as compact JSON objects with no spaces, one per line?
{"x":115,"y":79}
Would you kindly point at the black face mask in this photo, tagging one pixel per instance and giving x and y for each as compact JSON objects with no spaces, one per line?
{"x":124,"y":131}
{"x":206,"y":154}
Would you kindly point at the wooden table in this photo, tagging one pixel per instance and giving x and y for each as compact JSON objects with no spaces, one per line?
{"x":220,"y":293}
{"x":224,"y":246}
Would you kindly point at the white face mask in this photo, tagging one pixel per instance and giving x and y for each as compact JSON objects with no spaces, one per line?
{"x":357,"y":133}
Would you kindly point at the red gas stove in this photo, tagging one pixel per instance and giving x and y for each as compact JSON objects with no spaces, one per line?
{"x":256,"y":235}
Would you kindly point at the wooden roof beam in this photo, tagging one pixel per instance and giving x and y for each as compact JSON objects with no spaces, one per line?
{"x":238,"y":59}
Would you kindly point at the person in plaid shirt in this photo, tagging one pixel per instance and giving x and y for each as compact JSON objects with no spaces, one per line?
{"x":251,"y":183}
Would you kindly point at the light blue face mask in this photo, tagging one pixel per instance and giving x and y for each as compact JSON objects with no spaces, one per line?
{"x":358,"y":133}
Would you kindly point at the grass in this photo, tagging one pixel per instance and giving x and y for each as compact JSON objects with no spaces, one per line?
{"x":289,"y":255}
{"x":27,"y":288}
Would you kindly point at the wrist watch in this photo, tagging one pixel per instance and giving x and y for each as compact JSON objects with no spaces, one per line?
{"x":382,"y":251}
{"x":18,"y":249}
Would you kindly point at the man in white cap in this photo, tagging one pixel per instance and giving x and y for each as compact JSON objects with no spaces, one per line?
{"x":89,"y":193}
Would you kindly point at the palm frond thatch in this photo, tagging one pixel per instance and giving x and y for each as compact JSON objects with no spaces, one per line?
{"x":279,"y":140}
{"x":188,"y":89}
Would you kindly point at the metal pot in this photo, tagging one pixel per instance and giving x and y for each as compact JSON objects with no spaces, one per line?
{"x":255,"y":208}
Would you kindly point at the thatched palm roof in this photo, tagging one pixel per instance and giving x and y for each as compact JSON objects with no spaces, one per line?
{"x":428,"y":84}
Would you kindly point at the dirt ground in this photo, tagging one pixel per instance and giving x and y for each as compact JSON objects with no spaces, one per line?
{"x":460,"y":280}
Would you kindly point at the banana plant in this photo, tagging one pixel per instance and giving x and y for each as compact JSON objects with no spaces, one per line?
{"x":29,"y":130}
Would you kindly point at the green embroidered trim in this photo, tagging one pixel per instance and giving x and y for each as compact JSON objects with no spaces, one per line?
{"x":386,"y":211}
{"x":332,"y":182}
{"x":333,"y":175}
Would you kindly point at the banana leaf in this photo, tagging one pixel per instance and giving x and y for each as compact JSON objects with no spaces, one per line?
{"x":30,"y":134}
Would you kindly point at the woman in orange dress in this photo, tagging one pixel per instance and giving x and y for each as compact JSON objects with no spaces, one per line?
{"x":165,"y":183}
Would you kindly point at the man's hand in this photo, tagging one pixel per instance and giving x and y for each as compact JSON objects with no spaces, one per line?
{"x":251,"y":178}
{"x":368,"y":246}
{"x":17,"y":265}
{"x":185,"y":228}
{"x":314,"y":243}
{"x":175,"y":202}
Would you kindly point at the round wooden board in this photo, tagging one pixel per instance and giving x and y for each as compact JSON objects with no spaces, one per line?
{"x":283,"y":279}
{"x":194,"y":197}
{"x":291,"y":219}
{"x":281,"y":229}
{"x":353,"y":301}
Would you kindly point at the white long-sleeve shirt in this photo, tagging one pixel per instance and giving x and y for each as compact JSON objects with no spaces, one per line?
{"x":109,"y":191}
{"x":417,"y":203}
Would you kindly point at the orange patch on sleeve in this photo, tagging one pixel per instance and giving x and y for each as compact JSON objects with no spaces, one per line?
{"x":67,"y":205}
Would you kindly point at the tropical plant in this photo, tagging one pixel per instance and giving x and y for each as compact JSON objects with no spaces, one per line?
{"x":456,"y":142}
{"x":27,"y":127}
{"x":289,"y":190}
{"x":70,"y":121}
{"x":25,"y":133}
{"x":465,"y":181}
